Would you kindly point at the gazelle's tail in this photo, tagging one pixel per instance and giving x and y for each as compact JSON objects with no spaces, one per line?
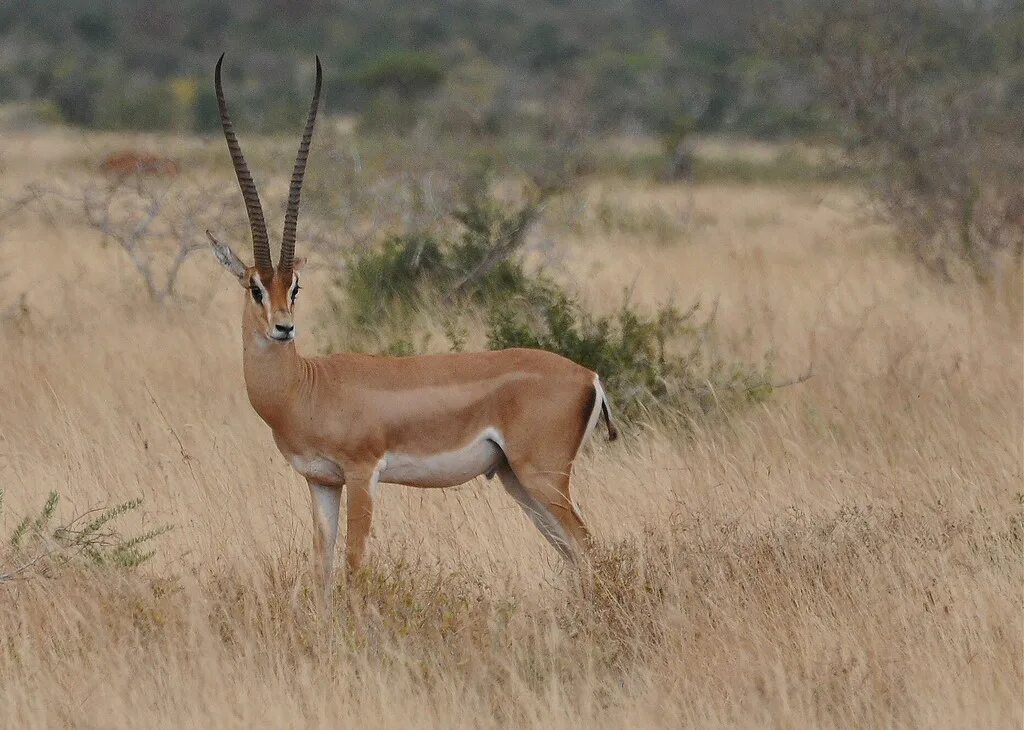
{"x":606,"y":411}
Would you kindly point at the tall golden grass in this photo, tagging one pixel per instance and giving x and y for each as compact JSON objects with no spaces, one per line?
{"x":847,"y":554}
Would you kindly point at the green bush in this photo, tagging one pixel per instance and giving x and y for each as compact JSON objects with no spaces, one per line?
{"x":398,"y":81}
{"x":410,"y":73}
{"x":662,"y":363}
{"x":393,"y":279}
{"x":389,"y":113}
{"x":37,"y":547}
{"x":149,"y":107}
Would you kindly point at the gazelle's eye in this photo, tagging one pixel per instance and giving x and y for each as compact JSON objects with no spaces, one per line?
{"x":295,"y":292}
{"x":257,"y":294}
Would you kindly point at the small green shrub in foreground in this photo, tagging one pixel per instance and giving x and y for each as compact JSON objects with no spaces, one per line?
{"x":36,"y":546}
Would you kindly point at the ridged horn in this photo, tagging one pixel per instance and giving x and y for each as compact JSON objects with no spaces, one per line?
{"x":291,"y":215}
{"x":260,"y":241}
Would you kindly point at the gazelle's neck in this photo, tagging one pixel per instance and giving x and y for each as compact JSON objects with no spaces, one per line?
{"x":274,"y":374}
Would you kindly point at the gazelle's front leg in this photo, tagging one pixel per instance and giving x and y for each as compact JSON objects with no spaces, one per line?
{"x":361,"y":485}
{"x":326,"y":504}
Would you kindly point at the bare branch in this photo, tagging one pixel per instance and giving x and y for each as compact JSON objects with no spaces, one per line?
{"x":157,"y":223}
{"x":505,"y":241}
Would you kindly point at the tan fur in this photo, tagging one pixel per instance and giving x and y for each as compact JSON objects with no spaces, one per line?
{"x":338,"y":419}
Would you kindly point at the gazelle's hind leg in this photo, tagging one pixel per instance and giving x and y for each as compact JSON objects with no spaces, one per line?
{"x":549,"y":527}
{"x":538,"y":471}
{"x":545,"y":499}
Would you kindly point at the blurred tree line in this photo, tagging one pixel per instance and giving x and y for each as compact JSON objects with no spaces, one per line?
{"x":929,"y":96}
{"x":648,"y":66}
{"x":638,"y":65}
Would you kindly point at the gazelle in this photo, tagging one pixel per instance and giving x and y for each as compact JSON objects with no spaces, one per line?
{"x":353,"y":420}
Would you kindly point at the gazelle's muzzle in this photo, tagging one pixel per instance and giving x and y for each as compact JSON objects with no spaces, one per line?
{"x":282,"y":326}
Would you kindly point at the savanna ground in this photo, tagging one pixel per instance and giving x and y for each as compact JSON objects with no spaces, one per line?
{"x":847,"y":553}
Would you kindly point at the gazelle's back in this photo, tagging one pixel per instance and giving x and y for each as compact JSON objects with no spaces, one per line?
{"x":427,"y":404}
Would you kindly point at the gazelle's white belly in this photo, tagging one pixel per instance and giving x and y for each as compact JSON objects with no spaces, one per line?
{"x":483,"y":455}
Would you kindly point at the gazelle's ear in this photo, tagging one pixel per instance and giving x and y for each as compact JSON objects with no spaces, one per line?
{"x":298,"y":263}
{"x":228,"y":259}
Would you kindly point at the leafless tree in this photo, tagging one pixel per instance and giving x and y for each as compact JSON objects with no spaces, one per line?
{"x":158,"y":223}
{"x":943,"y":144}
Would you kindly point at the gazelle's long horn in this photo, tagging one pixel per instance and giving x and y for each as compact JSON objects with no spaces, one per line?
{"x":291,"y":215}
{"x":260,"y":241}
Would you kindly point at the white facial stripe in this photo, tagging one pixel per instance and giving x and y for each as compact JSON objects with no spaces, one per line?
{"x":256,"y":280}
{"x":264,"y":295}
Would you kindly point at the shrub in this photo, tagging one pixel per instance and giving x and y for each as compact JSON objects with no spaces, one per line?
{"x":475,"y":266}
{"x":393,"y":276}
{"x":398,"y":81}
{"x":410,"y":73}
{"x":659,"y":364}
{"x":145,"y":107}
{"x":663,"y":363}
{"x":36,"y":547}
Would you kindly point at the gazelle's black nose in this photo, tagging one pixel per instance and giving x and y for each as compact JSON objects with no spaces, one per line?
{"x":284,"y":329}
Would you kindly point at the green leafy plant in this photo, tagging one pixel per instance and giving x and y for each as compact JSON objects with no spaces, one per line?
{"x":410,"y":73}
{"x":663,"y":362}
{"x":392,"y":277}
{"x":37,"y":546}
{"x":475,"y":266}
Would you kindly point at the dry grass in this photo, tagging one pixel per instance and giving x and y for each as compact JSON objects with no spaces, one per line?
{"x":847,"y":555}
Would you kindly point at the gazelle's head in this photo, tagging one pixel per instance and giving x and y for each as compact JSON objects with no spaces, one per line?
{"x":270,"y":292}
